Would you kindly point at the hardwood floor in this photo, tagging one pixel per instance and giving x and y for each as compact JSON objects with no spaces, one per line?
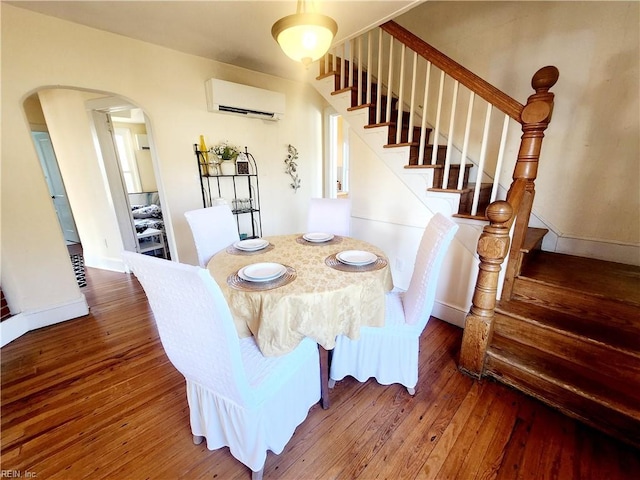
{"x":96,"y":397}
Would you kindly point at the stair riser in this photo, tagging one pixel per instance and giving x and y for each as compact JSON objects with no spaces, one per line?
{"x":584,"y":409}
{"x":428,"y":151}
{"x":466,"y":200}
{"x":404,"y":136}
{"x":590,"y":383}
{"x":363,"y":95}
{"x":602,"y":358}
{"x":623,"y":316}
{"x":383,"y":111}
{"x":453,"y":177}
{"x":600,"y":331}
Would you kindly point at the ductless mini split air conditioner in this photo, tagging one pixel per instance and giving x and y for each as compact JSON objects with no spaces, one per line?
{"x":235,"y":98}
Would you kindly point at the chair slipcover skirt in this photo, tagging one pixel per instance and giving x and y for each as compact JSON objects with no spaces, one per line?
{"x":282,"y":401}
{"x":390,"y":354}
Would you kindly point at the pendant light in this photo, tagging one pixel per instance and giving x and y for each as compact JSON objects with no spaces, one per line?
{"x":305,"y":36}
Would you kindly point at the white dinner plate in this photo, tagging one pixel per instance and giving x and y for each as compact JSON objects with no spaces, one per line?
{"x":251,"y":244}
{"x":356,"y":257}
{"x":317,"y":237}
{"x":262,"y":272}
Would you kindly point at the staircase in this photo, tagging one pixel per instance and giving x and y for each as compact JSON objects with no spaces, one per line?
{"x":567,"y":330}
{"x":570,"y":336}
{"x":342,"y":74}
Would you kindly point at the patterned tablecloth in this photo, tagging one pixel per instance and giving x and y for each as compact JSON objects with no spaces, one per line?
{"x":320,"y":302}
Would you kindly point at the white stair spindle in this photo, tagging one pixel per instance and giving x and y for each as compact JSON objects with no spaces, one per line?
{"x":400,"y":96}
{"x":342,"y":62}
{"x":336,"y":57}
{"x":436,"y":132}
{"x":503,"y":142}
{"x":447,"y":161}
{"x":369,"y":67}
{"x":389,"y":81}
{"x":413,"y":96}
{"x":379,"y":79}
{"x":350,"y":46}
{"x":465,"y":143}
{"x":483,"y":154}
{"x":423,"y":125}
{"x":359,"y":67}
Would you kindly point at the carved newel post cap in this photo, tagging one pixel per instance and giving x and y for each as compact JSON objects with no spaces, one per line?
{"x":545,"y":78}
{"x":499,"y":212}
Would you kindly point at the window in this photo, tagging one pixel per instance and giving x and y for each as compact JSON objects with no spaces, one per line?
{"x":127,"y":158}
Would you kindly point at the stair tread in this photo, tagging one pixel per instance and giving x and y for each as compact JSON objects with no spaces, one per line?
{"x":469,"y":188}
{"x":586,"y":382}
{"x":409,"y":167}
{"x":360,"y":107}
{"x":621,"y":335}
{"x":468,"y":216}
{"x":401,"y":144}
{"x":598,"y":277}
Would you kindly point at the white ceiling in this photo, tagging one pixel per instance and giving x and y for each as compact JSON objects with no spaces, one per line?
{"x":236,"y":32}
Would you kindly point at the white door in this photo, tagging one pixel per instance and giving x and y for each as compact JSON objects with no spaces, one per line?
{"x":49,"y":163}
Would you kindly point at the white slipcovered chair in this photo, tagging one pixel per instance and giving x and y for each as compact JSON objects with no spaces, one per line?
{"x":329,"y":215}
{"x":237,"y":397}
{"x":390,"y":354}
{"x":213,"y":228}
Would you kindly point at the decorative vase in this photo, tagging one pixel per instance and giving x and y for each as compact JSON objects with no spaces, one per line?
{"x":228,"y":167}
{"x":213,"y":168}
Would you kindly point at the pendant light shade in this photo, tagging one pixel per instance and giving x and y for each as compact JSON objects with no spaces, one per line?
{"x":304,"y":36}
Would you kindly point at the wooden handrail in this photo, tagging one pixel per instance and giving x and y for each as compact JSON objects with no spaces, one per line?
{"x":514,"y":198}
{"x":484,"y":89}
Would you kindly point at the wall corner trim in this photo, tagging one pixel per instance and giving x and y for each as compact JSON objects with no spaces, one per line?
{"x":450,"y":314}
{"x":24,"y":322}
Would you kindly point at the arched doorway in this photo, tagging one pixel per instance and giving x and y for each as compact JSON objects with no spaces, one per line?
{"x":94,"y":179}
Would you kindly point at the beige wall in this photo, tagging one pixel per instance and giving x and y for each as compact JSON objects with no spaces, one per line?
{"x":39,"y":52}
{"x":589,"y":177}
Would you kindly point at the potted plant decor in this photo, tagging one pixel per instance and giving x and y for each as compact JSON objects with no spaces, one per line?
{"x":226,"y":154}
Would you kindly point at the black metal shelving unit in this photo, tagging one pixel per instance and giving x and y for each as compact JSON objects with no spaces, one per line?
{"x":243,"y":190}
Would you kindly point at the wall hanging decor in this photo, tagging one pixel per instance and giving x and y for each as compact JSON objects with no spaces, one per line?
{"x":292,"y":167}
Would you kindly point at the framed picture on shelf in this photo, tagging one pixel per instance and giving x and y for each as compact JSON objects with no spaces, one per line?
{"x":242,"y":164}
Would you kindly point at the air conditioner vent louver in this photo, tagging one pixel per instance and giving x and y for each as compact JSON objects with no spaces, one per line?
{"x":241,"y":111}
{"x":235,"y":98}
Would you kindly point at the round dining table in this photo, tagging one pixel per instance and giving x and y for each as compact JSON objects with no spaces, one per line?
{"x":318,"y":296}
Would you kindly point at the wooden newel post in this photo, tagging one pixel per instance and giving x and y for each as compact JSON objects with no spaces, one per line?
{"x":535,"y":118}
{"x":493,"y":246}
